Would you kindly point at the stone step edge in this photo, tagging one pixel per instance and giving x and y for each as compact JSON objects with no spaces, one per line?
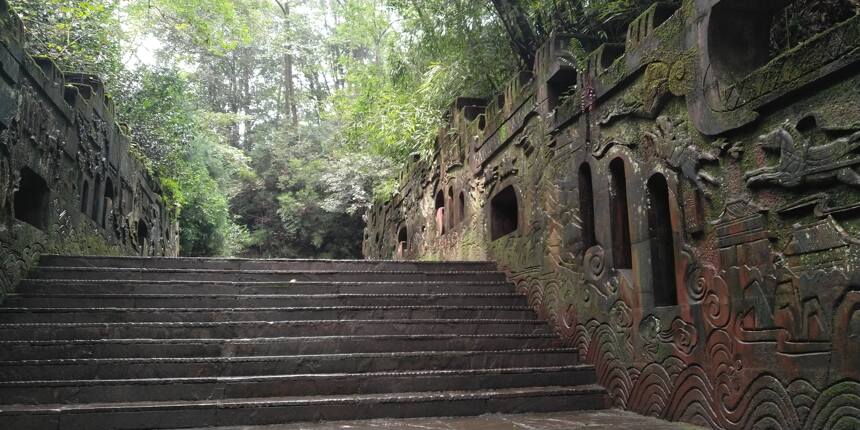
{"x":25,"y":295}
{"x":261,"y":271}
{"x":405,"y":397}
{"x":262,"y":358}
{"x":268,"y":260}
{"x":317,"y":377}
{"x":285,"y":284}
{"x":269,"y":340}
{"x":261,"y":309}
{"x":271,"y":323}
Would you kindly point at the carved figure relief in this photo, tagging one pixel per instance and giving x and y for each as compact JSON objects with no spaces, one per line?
{"x":673,"y":143}
{"x":801,"y":162}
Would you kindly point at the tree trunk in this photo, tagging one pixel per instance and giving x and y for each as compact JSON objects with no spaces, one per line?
{"x":520,"y":31}
{"x":290,"y":108}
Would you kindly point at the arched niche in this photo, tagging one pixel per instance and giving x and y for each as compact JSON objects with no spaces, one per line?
{"x":504,"y":213}
{"x":31,"y":199}
{"x":109,"y":199}
{"x":586,"y":206}
{"x":402,"y":242}
{"x":439,"y":212}
{"x":662,"y":242}
{"x":142,"y":237}
{"x":739,"y":35}
{"x":619,"y":213}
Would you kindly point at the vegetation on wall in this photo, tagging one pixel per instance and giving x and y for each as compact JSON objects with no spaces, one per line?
{"x":273,"y":124}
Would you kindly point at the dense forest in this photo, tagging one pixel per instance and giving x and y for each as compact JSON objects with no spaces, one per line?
{"x":274,"y":124}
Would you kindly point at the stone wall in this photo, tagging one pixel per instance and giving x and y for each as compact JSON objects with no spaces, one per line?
{"x":686,"y":212}
{"x":68,"y":184}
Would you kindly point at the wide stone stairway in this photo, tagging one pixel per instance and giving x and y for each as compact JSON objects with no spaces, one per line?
{"x":135,"y":343}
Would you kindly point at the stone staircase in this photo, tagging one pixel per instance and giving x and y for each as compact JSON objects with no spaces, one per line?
{"x":137,"y":343}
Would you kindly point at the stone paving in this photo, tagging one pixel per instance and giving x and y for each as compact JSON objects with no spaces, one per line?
{"x":590,"y":420}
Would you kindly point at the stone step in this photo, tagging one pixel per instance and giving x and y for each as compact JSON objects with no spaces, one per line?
{"x":250,"y":329}
{"x":183,"y":389}
{"x":113,"y":314}
{"x":112,"y":368}
{"x":130,"y":342}
{"x":263,"y":264}
{"x":66,"y":286}
{"x":262,"y":411}
{"x":259,"y":300}
{"x":116,"y":273}
{"x":201,"y":347}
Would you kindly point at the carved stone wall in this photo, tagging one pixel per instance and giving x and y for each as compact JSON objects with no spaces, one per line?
{"x":67,"y":181}
{"x":687,"y":212}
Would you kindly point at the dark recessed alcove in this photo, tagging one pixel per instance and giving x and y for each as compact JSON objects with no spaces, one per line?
{"x":586,"y":206}
{"x":108,"y":201}
{"x":662,"y":242}
{"x":504,"y":213}
{"x":402,"y":236}
{"x":621,"y":250}
{"x":32,"y":199}
{"x":461,"y":207}
{"x":402,"y":241}
{"x":85,"y":195}
{"x":142,"y":237}
{"x":440,"y":212}
{"x":560,"y":85}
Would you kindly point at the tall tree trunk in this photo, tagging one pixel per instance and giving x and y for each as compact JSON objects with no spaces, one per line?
{"x":519,"y":29}
{"x":233,"y":103}
{"x":290,"y":91}
{"x":247,"y":74}
{"x":290,"y":108}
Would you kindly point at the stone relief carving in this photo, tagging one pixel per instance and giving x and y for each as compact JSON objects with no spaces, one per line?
{"x":765,"y":332}
{"x":673,"y":143}
{"x":800,"y":161}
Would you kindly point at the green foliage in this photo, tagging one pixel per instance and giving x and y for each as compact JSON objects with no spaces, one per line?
{"x":801,"y":20}
{"x":274,"y":125}
{"x":416,"y":57}
{"x":214,"y":27}
{"x":207,"y":226}
{"x":199,"y":172}
{"x":79,"y":35}
{"x":591,"y":21}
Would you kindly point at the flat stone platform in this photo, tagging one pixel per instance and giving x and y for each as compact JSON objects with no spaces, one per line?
{"x":591,"y":420}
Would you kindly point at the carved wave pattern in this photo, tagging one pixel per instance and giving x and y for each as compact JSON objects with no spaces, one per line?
{"x":716,"y":392}
{"x":675,"y":391}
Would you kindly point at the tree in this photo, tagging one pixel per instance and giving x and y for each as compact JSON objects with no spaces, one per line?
{"x":275,"y":124}
{"x":290,"y":110}
{"x":78,"y":35}
{"x":519,"y":28}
